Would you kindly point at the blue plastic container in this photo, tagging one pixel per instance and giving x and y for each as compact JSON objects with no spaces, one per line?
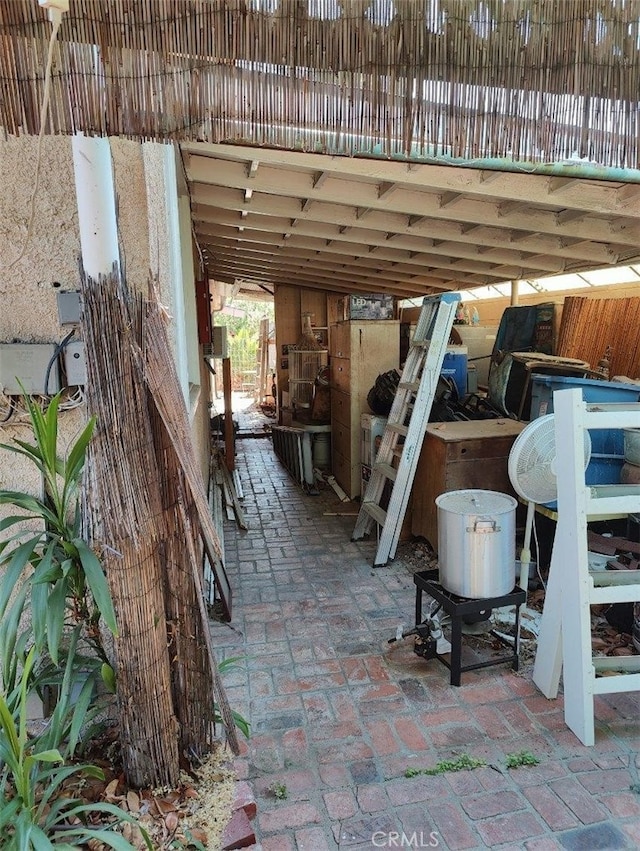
{"x":607,"y":445}
{"x":454,"y":366}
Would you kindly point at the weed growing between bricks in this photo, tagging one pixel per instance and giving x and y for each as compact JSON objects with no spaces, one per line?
{"x":517,"y":760}
{"x":464,"y":762}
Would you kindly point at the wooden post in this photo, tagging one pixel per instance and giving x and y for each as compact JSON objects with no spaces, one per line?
{"x":229,"y":442}
{"x":263,"y":360}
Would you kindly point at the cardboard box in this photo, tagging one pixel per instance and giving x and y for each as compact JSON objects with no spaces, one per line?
{"x":371,"y":306}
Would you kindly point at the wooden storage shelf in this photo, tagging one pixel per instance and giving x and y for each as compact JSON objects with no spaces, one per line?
{"x":359,"y":352}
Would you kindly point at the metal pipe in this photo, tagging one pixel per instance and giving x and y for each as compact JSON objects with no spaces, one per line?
{"x":95,"y":198}
{"x":515,"y":293}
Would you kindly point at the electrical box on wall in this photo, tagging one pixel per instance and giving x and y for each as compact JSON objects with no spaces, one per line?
{"x":218,"y":346}
{"x":68,"y":308}
{"x":35,"y":365}
{"x":75,"y":365}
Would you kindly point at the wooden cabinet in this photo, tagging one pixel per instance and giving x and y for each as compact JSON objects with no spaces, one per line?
{"x":458,"y":456}
{"x":359,"y":352}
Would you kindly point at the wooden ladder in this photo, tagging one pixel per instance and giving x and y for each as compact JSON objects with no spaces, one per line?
{"x":564,"y":642}
{"x":408,"y":419}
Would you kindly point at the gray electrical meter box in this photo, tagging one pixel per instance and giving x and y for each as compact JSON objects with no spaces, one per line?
{"x":33,"y":364}
{"x":69,"y":308}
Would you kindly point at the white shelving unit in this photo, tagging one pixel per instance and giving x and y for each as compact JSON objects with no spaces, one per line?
{"x":565,"y":632}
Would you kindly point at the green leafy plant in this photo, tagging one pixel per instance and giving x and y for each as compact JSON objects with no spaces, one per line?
{"x":516,"y":760}
{"x":50,"y":570}
{"x":36,"y":810}
{"x":413,"y":772}
{"x":189,"y":842}
{"x":240,"y":721}
{"x":279,"y":791}
{"x":462,"y":763}
{"x":64,"y":577}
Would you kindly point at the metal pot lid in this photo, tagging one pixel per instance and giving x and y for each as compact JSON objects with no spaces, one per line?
{"x":476,"y":502}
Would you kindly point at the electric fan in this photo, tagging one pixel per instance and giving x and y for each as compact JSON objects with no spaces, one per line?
{"x":532,"y":470}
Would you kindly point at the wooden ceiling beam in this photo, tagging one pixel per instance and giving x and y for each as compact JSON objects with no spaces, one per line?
{"x":401,"y":264}
{"x":591,"y":253}
{"x":375,"y":225}
{"x":357,"y":268}
{"x":239,"y":269}
{"x":350,"y":240}
{"x":353,"y":197}
{"x":595,"y":196}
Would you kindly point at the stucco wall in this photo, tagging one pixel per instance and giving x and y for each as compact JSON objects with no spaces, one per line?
{"x":28,"y":307}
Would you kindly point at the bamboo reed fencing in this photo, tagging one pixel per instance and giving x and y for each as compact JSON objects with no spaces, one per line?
{"x":147,"y":512}
{"x":591,"y":325}
{"x":528,"y":80}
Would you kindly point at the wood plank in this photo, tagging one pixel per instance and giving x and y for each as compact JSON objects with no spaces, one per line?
{"x":229,"y":438}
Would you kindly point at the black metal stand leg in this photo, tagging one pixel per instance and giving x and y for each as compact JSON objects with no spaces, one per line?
{"x":456,"y":650}
{"x":457,"y":608}
{"x":516,"y":641}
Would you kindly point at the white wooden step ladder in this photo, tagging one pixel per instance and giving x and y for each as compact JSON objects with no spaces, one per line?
{"x":564,"y":642}
{"x":408,"y":419}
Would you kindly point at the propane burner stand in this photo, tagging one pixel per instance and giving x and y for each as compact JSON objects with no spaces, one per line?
{"x":460,"y":607}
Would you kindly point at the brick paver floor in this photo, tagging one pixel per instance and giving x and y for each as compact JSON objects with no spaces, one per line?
{"x":338,"y":715}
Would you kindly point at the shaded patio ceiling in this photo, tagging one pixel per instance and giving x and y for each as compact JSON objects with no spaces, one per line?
{"x":395,"y":87}
{"x":264,"y":217}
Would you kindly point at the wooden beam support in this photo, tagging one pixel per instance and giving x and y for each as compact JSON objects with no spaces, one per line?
{"x":628,"y":195}
{"x":448,"y":199}
{"x":229,"y":439}
{"x":559,"y":184}
{"x":519,"y":235}
{"x":506,"y":208}
{"x":252,"y":169}
{"x":490,"y":176}
{"x":564,"y":216}
{"x":385,"y":189}
{"x":319,"y":178}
